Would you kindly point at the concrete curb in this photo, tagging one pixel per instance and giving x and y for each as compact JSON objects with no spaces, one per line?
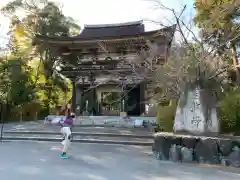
{"x":81,"y":134}
{"x":78,"y":141}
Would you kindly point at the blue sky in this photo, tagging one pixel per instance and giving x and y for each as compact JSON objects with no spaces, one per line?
{"x":113,"y":11}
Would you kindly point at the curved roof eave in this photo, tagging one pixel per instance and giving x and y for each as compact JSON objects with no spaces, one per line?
{"x":80,"y":40}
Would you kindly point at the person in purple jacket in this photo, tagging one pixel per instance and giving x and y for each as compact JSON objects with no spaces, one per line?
{"x":66,"y":130}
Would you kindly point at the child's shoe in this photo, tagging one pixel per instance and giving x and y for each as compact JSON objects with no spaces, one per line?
{"x":64,"y":156}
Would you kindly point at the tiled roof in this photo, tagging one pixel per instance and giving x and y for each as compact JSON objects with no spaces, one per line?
{"x":112,"y":30}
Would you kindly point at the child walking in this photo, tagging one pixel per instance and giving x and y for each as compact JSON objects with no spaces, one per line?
{"x":66,"y":130}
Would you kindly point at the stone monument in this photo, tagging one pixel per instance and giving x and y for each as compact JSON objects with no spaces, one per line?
{"x":196,"y":113}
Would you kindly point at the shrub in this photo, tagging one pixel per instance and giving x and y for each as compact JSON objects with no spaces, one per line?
{"x":229,"y":111}
{"x":165,"y":116}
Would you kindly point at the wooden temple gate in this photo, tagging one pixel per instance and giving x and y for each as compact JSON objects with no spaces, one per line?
{"x":107,"y":56}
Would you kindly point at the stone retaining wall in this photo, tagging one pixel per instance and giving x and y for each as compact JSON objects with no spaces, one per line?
{"x":208,"y":150}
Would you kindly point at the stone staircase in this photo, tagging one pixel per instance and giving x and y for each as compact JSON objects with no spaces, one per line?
{"x":79,"y":137}
{"x":104,"y":130}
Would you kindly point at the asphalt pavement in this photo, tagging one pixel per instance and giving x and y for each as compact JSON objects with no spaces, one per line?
{"x":41,"y":161}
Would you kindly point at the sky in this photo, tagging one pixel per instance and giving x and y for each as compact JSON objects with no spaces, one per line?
{"x":113,"y":11}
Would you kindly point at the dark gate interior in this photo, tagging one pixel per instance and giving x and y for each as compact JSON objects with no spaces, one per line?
{"x":135,"y":105}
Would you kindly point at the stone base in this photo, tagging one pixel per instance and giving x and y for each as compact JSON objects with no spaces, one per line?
{"x":208,"y":150}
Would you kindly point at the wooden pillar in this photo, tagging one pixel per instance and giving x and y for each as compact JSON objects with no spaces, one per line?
{"x":74,"y":96}
{"x":142,"y":97}
{"x":101,"y":104}
{"x":82,"y":101}
{"x":123,"y":98}
{"x":92,"y":97}
{"x":82,"y":98}
{"x":94,"y":102}
{"x":125,"y":92}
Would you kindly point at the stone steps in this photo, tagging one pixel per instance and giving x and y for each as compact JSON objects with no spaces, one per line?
{"x":87,"y":129}
{"x":79,"y":134}
{"x":95,"y":141}
{"x":109,"y":121}
{"x":97,"y":129}
{"x":80,"y":137}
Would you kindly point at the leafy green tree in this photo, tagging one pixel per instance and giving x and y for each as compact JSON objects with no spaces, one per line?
{"x":192,"y":68}
{"x":5,"y":81}
{"x":40,"y":18}
{"x":219,"y":23}
{"x":229,"y":105}
{"x":16,"y":88}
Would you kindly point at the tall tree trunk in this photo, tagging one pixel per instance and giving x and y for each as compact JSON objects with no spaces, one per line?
{"x":49,"y":95}
{"x":21,"y":116}
{"x":235,"y":62}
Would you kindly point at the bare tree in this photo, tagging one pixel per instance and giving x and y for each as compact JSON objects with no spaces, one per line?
{"x":194,"y":74}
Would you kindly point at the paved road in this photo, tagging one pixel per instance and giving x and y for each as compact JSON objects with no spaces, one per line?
{"x":40,"y":161}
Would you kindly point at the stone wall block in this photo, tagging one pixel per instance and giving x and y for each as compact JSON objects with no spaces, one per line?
{"x":175,"y":153}
{"x":207,"y":151}
{"x":225,"y":147}
{"x":176,"y":140}
{"x":189,"y":142}
{"x":233,"y":158}
{"x":187,"y":154}
{"x":162,"y":146}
